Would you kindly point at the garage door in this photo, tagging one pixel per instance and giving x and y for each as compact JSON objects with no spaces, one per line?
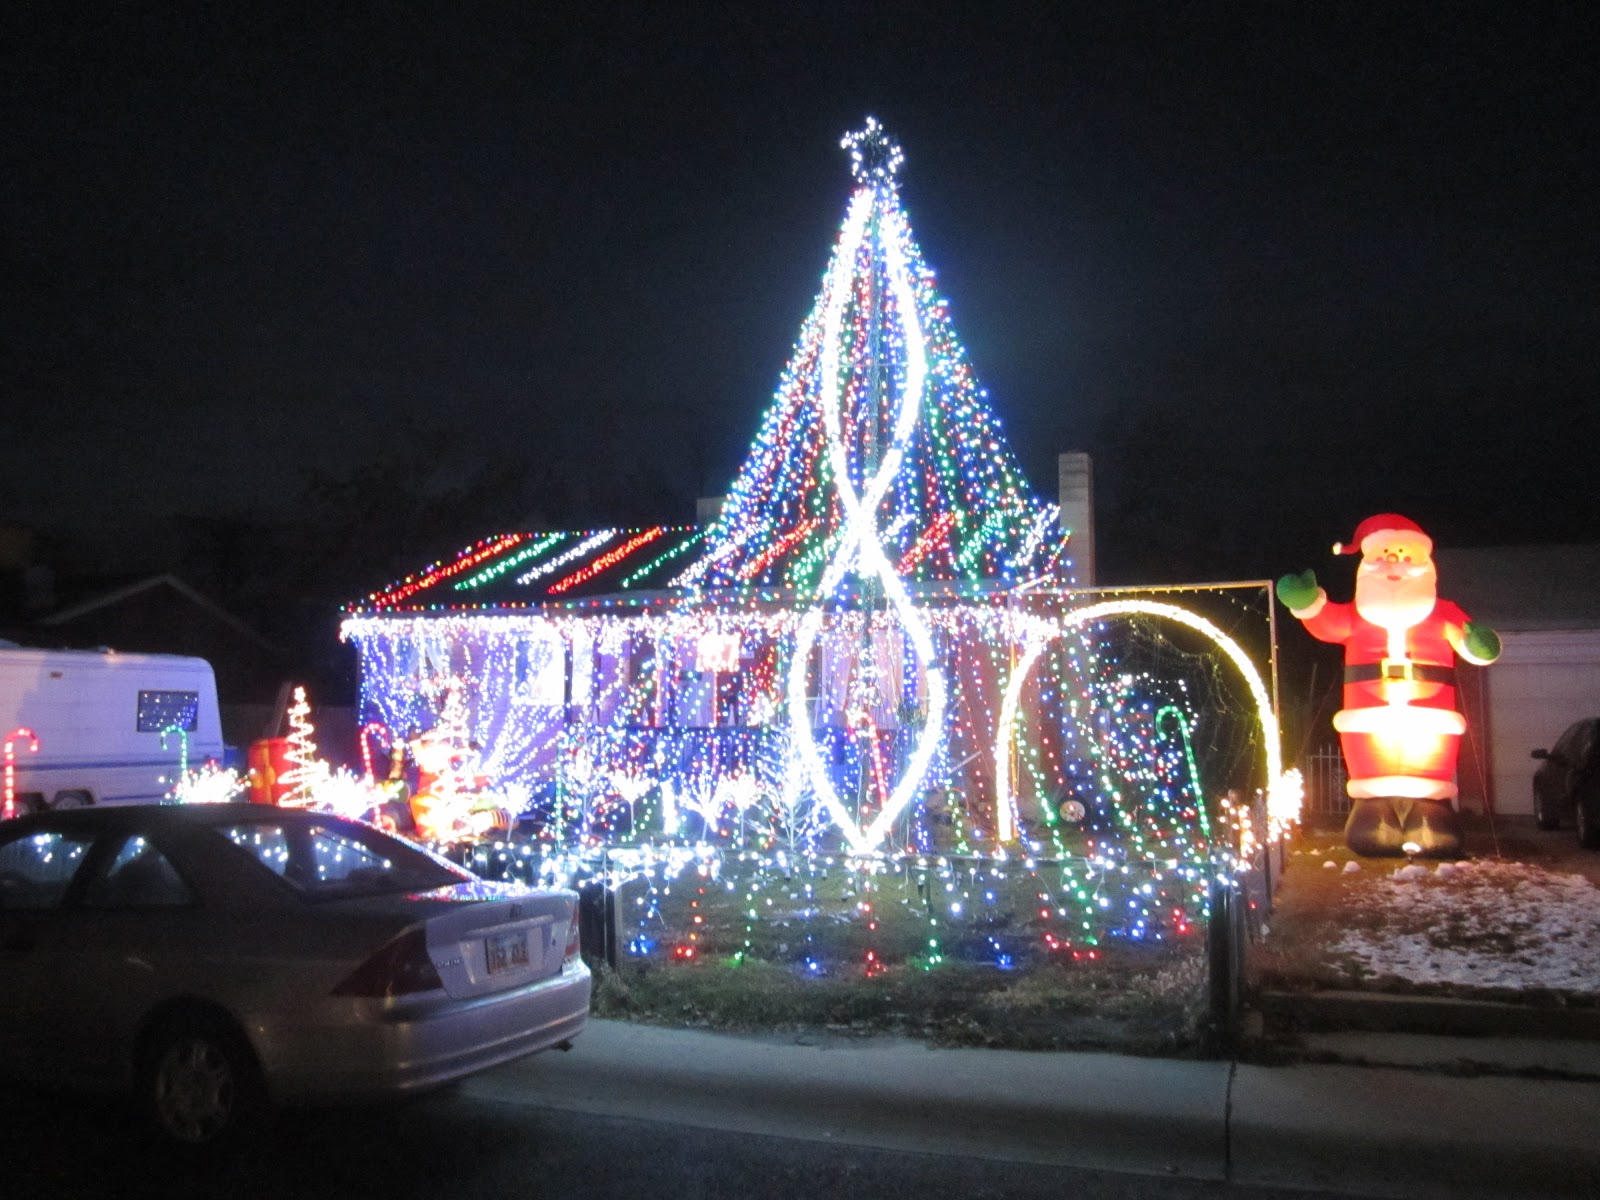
{"x":1543,"y":681}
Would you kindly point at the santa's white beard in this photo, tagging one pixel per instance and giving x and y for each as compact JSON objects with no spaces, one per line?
{"x":1395,"y":604}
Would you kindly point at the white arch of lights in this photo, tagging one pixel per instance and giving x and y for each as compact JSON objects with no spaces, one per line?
{"x":1283,"y":794}
{"x":861,"y":547}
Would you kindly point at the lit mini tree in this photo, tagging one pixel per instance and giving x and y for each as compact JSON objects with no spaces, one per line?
{"x":301,"y":754}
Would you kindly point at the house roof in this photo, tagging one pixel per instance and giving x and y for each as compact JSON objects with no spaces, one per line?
{"x":613,"y":568}
{"x":535,"y":569}
{"x":1517,"y":588}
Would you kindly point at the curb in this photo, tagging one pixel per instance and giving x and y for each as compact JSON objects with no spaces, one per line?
{"x":1344,"y":1010}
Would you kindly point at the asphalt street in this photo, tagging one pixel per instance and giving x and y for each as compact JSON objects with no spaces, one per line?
{"x":675,"y":1113}
{"x":473,"y":1144}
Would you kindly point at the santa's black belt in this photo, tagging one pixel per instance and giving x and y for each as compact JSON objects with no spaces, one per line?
{"x":1417,"y":672}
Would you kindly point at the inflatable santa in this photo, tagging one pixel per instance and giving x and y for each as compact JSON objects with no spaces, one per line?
{"x":1399,"y":727}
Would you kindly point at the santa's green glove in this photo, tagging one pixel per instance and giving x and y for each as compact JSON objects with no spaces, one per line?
{"x":1480,"y":642}
{"x":1298,"y":591}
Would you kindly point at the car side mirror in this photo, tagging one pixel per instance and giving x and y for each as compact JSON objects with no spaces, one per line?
{"x":1540,"y":754}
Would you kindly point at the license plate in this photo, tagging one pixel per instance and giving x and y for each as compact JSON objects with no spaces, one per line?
{"x":505,"y":951}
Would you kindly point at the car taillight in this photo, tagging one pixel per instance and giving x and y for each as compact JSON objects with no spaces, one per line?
{"x":400,"y":968}
{"x":572,"y":938}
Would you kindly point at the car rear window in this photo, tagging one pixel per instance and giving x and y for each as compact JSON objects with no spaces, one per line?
{"x":37,"y":869}
{"x":327,"y":861}
{"x":137,"y":876}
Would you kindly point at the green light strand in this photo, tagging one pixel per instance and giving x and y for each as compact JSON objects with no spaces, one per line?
{"x":491,"y":573}
{"x":643,"y":571}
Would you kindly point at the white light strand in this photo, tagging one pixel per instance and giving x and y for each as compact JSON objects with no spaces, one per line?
{"x":551,"y":565}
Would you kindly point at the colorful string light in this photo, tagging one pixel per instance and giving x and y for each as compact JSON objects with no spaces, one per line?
{"x":887,"y":714}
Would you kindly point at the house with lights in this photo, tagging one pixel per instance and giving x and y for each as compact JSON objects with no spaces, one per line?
{"x":864,"y":649}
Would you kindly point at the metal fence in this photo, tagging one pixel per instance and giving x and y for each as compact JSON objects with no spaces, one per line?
{"x":1325,"y":778}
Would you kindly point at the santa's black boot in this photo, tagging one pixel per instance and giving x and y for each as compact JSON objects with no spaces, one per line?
{"x":1434,"y":827}
{"x":1373,"y":828}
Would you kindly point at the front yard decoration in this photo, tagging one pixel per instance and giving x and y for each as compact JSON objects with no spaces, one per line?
{"x":29,"y":741}
{"x":209,"y":783}
{"x":866,"y":684}
{"x":1399,"y":728}
{"x":303,"y":769}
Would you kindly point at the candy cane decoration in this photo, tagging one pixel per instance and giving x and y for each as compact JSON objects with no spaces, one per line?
{"x":183,"y":747}
{"x":12,"y":738}
{"x":368,"y":731}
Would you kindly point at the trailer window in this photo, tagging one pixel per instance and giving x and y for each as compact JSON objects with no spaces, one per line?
{"x":159,"y":711}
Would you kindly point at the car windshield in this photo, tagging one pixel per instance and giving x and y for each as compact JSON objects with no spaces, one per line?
{"x":328,"y":860}
{"x":1573,"y":746}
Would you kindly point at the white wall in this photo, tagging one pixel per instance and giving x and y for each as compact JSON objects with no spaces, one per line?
{"x":1543,"y":681}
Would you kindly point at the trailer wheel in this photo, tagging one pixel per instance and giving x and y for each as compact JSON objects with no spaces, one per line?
{"x":73,"y":798}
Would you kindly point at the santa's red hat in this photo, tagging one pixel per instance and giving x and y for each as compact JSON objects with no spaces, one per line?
{"x":1382,"y":523}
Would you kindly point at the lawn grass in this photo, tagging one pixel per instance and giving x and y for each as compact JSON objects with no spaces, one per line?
{"x":1144,"y":1001}
{"x":1316,"y":906}
{"x":973,"y":950}
{"x":828,"y":915}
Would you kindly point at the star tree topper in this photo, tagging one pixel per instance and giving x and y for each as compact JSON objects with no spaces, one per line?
{"x":875,"y":157}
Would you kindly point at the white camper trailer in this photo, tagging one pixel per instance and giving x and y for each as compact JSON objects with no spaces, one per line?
{"x":111,"y":728}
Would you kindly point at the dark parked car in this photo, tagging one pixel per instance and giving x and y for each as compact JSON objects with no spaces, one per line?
{"x":217,"y":957}
{"x":1567,"y":782}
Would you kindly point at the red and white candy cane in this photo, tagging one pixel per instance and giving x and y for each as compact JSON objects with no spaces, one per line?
{"x":369,"y":730}
{"x":31,"y":740}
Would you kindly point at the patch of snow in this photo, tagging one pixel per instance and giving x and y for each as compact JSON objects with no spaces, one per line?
{"x":1329,"y":864}
{"x":1412,"y":871}
{"x":1494,"y":924}
{"x":1351,"y":867}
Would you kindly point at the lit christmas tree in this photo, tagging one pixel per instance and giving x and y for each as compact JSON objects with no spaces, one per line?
{"x":305,"y":771}
{"x":880,"y":451}
{"x":879,"y":474}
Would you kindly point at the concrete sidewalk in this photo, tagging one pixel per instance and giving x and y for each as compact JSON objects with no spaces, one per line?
{"x":1364,"y":1131}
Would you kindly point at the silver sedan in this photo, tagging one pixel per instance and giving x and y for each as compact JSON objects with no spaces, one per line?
{"x":215,"y":958}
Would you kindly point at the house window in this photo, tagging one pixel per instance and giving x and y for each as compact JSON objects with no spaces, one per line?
{"x":539,"y":672}
{"x":168,"y":710}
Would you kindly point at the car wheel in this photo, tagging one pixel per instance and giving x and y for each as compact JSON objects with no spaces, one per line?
{"x":1587,"y":812}
{"x":1543,"y":814}
{"x":200,"y":1084}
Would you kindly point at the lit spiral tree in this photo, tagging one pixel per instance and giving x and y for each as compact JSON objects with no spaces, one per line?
{"x":878,"y":469}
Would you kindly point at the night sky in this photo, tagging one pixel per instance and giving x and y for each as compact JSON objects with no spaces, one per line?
{"x":1276,"y":267}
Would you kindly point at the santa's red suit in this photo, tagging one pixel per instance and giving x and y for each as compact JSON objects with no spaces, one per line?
{"x":1388,"y":753}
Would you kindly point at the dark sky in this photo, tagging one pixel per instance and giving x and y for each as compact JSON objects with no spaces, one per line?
{"x":1276,"y":267}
